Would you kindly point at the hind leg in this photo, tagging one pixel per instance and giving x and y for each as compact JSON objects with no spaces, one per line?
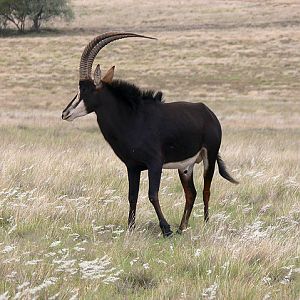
{"x":186,"y":178}
{"x":209,"y":168}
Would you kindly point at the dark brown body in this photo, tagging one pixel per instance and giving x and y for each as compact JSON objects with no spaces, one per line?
{"x":147,"y":134}
{"x":152,"y":133}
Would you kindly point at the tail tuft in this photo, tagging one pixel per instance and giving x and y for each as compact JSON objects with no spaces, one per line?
{"x":223,"y":172}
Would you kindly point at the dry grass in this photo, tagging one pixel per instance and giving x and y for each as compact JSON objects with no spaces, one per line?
{"x":63,"y":206}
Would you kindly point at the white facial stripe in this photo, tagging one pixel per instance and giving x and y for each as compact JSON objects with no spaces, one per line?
{"x":76,"y":100}
{"x":78,"y":111}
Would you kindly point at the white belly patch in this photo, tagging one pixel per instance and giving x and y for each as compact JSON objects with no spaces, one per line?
{"x":186,"y":166}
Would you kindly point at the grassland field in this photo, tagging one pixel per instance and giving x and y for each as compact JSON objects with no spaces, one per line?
{"x":63,"y":192}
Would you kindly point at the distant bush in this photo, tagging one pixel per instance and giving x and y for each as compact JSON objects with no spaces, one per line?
{"x":3,"y":22}
{"x":44,"y":10}
{"x":19,"y":12}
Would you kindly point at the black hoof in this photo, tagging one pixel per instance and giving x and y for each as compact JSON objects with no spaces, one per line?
{"x":168,"y":234}
{"x":166,"y":229}
{"x":179,"y":231}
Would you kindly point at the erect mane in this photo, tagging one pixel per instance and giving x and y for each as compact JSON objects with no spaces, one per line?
{"x":133,"y":95}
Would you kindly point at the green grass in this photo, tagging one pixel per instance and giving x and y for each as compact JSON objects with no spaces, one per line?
{"x":56,"y":188}
{"x":63,"y":192}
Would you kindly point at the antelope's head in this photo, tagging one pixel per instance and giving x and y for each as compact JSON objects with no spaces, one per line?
{"x":85,"y":101}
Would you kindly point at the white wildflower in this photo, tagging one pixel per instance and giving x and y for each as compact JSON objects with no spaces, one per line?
{"x":197,"y":252}
{"x":75,"y":296}
{"x":259,"y":174}
{"x":169,"y":280}
{"x":195,"y":215}
{"x":195,"y":237}
{"x":12,"y":229}
{"x":161,"y":261}
{"x":146,"y":266}
{"x":66,"y":227}
{"x":56,"y":296}
{"x":134,"y":261}
{"x":183,"y":295}
{"x":172,"y":248}
{"x":66,"y":266}
{"x":274,"y":178}
{"x":255,"y":231}
{"x":99,"y":268}
{"x":4,"y":296}
{"x":33,"y":262}
{"x":22,"y":290}
{"x":225,"y":265}
{"x":265,"y":208}
{"x":23,"y":285}
{"x":12,"y":275}
{"x":11,"y":260}
{"x":292,"y":182}
{"x":287,"y":278}
{"x":50,"y":254}
{"x":267,"y":296}
{"x":8,"y":248}
{"x":220,"y":217}
{"x":112,"y":278}
{"x":55,"y":244}
{"x":79,"y":249}
{"x":109,"y":192}
{"x":46,"y":283}
{"x":247,"y":209}
{"x":75,"y":236}
{"x":210,"y":292}
{"x":94,"y":269}
{"x":118,"y":232}
{"x":266,"y":280}
{"x":64,"y":251}
{"x":60,"y":207}
{"x":178,"y":204}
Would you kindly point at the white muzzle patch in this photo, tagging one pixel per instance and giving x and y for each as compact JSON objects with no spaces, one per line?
{"x":75,"y":109}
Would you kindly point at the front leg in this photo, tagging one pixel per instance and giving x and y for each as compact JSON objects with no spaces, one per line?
{"x":134,"y":184}
{"x":154,"y":174}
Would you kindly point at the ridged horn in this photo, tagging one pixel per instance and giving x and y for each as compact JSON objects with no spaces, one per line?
{"x":95,"y":45}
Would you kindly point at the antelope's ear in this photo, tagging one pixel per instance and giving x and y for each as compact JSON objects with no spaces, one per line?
{"x":108,"y":77}
{"x":97,"y":76}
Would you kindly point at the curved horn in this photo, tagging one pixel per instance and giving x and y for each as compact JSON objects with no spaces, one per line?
{"x":95,"y":45}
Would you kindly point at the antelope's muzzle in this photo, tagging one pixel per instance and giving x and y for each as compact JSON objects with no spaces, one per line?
{"x":76,"y":108}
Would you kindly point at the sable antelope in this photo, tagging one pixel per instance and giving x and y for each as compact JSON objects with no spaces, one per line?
{"x":148,"y":134}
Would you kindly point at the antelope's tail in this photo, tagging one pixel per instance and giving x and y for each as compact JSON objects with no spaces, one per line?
{"x":223,"y":172}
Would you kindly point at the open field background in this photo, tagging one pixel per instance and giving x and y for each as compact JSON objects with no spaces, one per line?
{"x":63,"y":193}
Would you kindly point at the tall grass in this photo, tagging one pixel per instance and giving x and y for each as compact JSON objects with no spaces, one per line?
{"x":63,"y":192}
{"x":64,"y":211}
